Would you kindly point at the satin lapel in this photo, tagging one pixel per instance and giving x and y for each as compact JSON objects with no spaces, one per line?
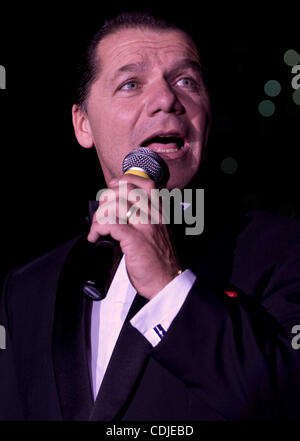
{"x":125,"y":367}
{"x":71,"y":343}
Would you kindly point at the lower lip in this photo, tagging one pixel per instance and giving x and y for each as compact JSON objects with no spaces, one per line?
{"x":169,"y":151}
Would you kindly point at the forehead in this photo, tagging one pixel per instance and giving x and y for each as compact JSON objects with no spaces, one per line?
{"x":144,"y":45}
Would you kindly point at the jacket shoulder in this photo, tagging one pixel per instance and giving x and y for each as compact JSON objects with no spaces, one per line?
{"x":49,"y":261}
{"x":266,"y":244}
{"x":31,"y":282}
{"x":269,"y":235}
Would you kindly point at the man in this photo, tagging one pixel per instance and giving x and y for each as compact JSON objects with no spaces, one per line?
{"x":202,"y":333}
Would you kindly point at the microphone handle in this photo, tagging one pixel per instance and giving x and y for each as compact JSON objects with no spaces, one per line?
{"x":101,"y":260}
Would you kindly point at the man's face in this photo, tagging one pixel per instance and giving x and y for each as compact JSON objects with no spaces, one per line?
{"x":149,"y":92}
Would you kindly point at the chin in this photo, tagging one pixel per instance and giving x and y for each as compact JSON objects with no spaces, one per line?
{"x":176,"y":183}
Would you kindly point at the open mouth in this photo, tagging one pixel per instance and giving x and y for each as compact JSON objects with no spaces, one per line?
{"x":164,"y":144}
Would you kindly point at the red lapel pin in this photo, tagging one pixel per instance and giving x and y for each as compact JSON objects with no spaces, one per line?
{"x":231,"y":293}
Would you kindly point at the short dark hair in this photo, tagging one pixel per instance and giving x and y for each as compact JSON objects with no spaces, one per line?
{"x":88,"y":68}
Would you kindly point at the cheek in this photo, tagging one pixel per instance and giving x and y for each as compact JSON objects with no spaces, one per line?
{"x":113,"y":129}
{"x":198,"y":110}
{"x":200,"y":125}
{"x":109,"y":126}
{"x":120,"y":121}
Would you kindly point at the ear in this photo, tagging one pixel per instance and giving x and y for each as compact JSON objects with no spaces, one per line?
{"x":82,"y":127}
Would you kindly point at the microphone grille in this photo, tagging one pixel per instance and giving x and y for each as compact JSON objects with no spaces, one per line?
{"x":146,"y":159}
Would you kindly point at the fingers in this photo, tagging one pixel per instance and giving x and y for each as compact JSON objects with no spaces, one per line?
{"x":110,"y":217}
{"x":129,"y":195}
{"x":117,"y":231}
{"x":134,"y":181}
{"x":116,"y":208}
{"x":137,"y":191}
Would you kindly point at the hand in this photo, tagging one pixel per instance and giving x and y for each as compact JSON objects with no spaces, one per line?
{"x":150,"y":258}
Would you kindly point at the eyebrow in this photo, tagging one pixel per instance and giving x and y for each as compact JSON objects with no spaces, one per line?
{"x":129,"y":68}
{"x":186,"y":63}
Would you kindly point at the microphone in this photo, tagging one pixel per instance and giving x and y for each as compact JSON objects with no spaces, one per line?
{"x":103,"y":257}
{"x":146,"y":163}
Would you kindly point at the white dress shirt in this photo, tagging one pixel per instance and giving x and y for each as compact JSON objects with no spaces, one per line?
{"x":152,"y":320}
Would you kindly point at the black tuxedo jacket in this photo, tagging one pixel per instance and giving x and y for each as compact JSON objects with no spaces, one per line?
{"x":223,"y":358}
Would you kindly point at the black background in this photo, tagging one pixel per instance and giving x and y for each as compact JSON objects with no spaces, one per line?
{"x":47,"y":178}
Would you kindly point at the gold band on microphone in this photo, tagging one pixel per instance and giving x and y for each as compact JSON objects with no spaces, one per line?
{"x":136,"y":172}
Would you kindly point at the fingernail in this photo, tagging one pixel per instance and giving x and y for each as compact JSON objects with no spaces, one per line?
{"x":113,"y":182}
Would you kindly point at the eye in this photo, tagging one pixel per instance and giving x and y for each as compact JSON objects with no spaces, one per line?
{"x":130,"y":85}
{"x":190,"y":83}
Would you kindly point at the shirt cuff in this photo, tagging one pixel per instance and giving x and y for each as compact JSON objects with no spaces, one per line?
{"x":155,"y":318}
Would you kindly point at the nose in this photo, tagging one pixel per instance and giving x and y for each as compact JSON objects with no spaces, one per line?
{"x":162,"y":98}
